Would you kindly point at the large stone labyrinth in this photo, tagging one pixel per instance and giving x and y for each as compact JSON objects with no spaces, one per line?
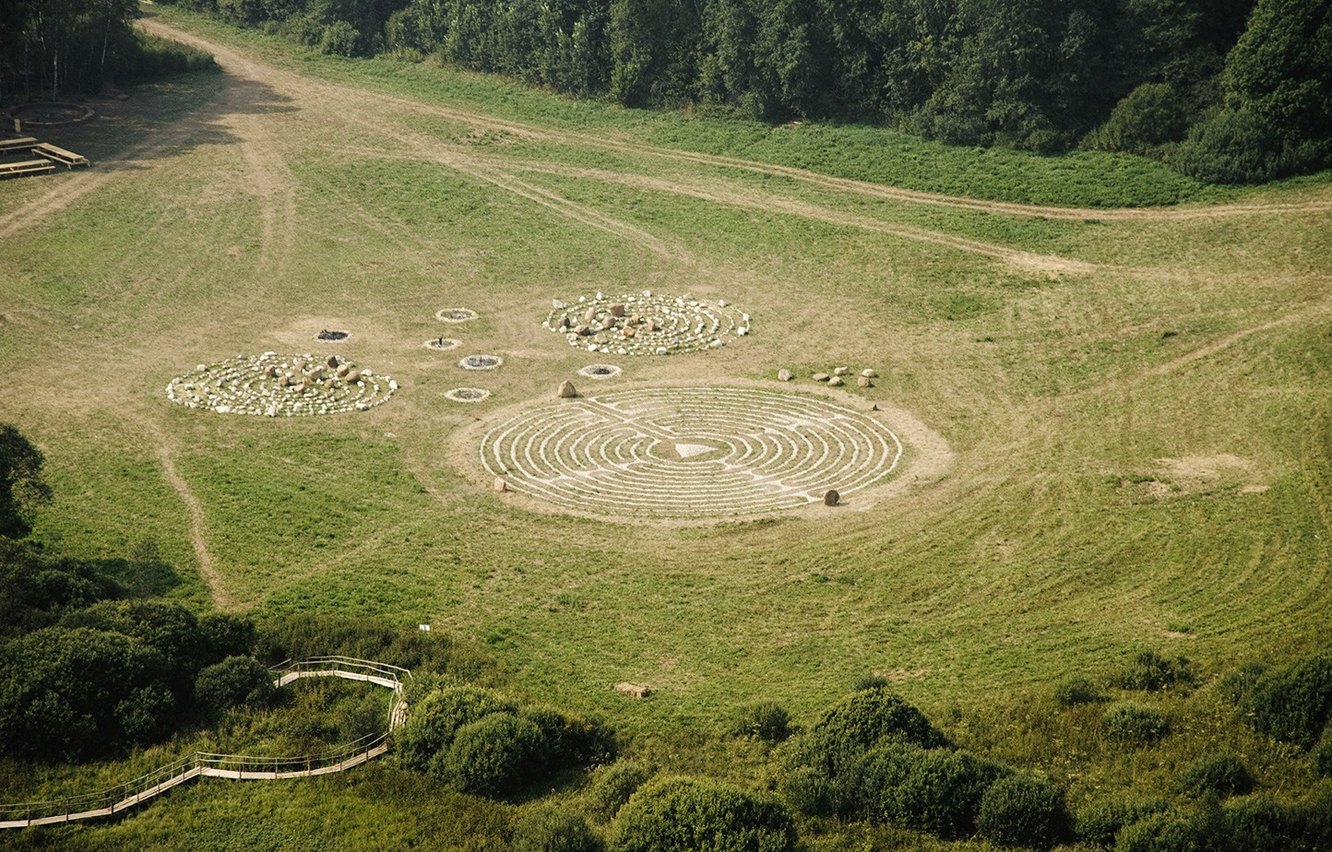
{"x":690,"y":452}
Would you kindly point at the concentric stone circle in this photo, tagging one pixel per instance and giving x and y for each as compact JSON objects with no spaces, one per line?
{"x":480,"y":362}
{"x":276,"y":385}
{"x":466,"y":394}
{"x":689,"y":452}
{"x":442,"y":344}
{"x":601,"y":371}
{"x":455,"y":315}
{"x":646,"y":323}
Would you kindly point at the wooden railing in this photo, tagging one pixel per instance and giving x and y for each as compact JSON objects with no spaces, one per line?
{"x":236,"y":766}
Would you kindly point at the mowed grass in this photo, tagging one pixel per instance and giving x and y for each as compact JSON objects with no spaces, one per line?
{"x":1141,"y":453}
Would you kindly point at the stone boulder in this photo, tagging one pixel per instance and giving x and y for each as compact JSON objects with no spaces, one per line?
{"x":633,"y":690}
{"x":785,"y":375}
{"x":566,"y":390}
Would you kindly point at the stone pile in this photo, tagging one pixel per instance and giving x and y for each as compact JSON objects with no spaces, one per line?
{"x":646,"y":323}
{"x":276,"y":385}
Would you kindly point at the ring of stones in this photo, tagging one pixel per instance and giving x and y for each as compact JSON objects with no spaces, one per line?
{"x":440,"y":344}
{"x":466,"y":394}
{"x":455,"y":315}
{"x":480,"y":362}
{"x":600,"y":371}
{"x":689,"y":452}
{"x":280,"y":386}
{"x":646,"y":323}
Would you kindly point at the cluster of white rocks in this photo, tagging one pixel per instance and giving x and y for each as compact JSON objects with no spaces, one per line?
{"x":646,"y":323}
{"x":276,"y":385}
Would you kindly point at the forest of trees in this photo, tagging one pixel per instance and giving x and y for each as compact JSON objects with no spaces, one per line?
{"x":57,"y":48}
{"x":1227,"y":90}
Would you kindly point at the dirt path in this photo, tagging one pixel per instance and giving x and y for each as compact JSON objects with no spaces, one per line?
{"x":202,"y":557}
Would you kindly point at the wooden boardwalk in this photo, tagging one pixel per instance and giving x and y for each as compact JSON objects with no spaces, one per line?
{"x":237,"y":767}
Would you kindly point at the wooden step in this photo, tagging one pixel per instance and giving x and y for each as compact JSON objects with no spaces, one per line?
{"x":60,"y":155}
{"x":19,"y":143}
{"x":26,"y":167}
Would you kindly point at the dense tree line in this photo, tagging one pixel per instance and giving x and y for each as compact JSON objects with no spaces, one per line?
{"x":55,"y":48}
{"x":1230,"y":90}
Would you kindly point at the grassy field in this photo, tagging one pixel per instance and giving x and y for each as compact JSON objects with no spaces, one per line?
{"x":1136,"y":397}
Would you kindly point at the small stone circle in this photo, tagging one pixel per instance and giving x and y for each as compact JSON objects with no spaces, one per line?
{"x":480,"y":362}
{"x":466,"y":394}
{"x":455,"y":315}
{"x":442,"y":344}
{"x":332,"y":335}
{"x":646,"y":323}
{"x":50,"y":114}
{"x":600,"y":371}
{"x":689,"y":452}
{"x":276,"y":385}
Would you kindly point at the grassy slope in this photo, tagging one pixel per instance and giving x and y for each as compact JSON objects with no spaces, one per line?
{"x":1040,"y":555}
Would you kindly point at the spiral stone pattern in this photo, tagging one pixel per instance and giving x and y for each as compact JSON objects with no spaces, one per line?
{"x":689,"y":452}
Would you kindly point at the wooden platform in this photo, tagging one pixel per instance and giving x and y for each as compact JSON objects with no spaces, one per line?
{"x":18,"y":143}
{"x":66,"y":158}
{"x":26,"y":167}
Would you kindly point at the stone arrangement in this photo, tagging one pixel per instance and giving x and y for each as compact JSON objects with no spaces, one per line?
{"x":600,"y":371}
{"x":442,"y":344}
{"x":281,"y":386}
{"x":466,"y":394}
{"x":691,"y":452}
{"x":480,"y":362}
{"x":646,"y":323}
{"x":455,"y":315}
{"x":329,"y":334}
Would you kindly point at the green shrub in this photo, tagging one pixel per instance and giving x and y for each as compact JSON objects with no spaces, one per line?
{"x":852,"y":727}
{"x":1148,"y":116}
{"x":435,"y":720}
{"x":1293,"y":702}
{"x":491,"y":756}
{"x":553,"y":829}
{"x":571,"y":740}
{"x":1259,"y":824}
{"x":1238,"y":146}
{"x":811,"y":791}
{"x":1322,"y":754}
{"x":146,"y":714}
{"x":1098,"y":823}
{"x":341,"y":39}
{"x":933,"y":790}
{"x":872,"y":681}
{"x":685,"y":815}
{"x":1221,"y":774}
{"x":1022,"y":811}
{"x":1135,"y":724}
{"x":1151,"y":672}
{"x":612,"y":787}
{"x":227,"y":635}
{"x":1075,"y":691}
{"x":1164,"y":832}
{"x":232,"y":682}
{"x":764,"y":720}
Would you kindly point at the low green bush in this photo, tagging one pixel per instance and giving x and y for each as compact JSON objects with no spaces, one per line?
{"x":1163,"y":832}
{"x":764,"y":720}
{"x":863,"y":719}
{"x":1221,"y":774}
{"x":550,"y":828}
{"x":1098,"y":823}
{"x":1076,"y":691}
{"x":1322,"y":754}
{"x":685,"y":815}
{"x":1135,"y":724}
{"x":436,"y":718}
{"x":1150,"y":671}
{"x":233,"y":682}
{"x":571,"y":740}
{"x":934,"y":790}
{"x":492,"y":756}
{"x":1023,"y":811}
{"x":341,"y":39}
{"x":613,"y":785}
{"x":1292,"y":702}
{"x":1150,"y":115}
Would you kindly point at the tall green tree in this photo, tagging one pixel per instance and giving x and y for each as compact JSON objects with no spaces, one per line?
{"x":21,"y":483}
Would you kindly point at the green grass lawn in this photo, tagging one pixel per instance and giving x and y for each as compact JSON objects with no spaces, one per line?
{"x":1142,"y":458}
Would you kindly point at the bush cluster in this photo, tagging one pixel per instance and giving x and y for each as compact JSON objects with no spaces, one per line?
{"x":1135,"y":724}
{"x":613,"y":785}
{"x":1292,"y":702}
{"x":549,"y":828}
{"x":764,"y":720}
{"x":676,"y":814}
{"x":480,"y":742}
{"x":1151,"y":672}
{"x":1221,"y":774}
